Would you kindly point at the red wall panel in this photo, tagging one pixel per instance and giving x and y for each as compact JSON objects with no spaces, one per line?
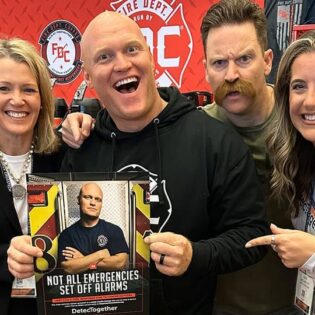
{"x":172,"y":26}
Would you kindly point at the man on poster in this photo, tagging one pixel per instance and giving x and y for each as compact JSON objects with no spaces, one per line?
{"x":92,"y":242}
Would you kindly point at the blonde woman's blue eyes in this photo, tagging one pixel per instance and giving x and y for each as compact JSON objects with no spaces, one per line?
{"x":30,"y":90}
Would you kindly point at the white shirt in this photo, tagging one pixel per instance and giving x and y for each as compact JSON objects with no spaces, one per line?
{"x":16,"y":164}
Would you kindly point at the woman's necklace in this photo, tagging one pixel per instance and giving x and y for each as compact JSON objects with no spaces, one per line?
{"x":18,"y":190}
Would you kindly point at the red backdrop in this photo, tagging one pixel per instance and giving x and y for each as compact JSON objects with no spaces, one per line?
{"x":170,"y":26}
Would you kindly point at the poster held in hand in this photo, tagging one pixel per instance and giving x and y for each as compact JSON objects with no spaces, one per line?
{"x":91,"y":229}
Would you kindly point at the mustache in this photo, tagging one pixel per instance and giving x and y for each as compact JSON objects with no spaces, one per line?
{"x":242,"y":86}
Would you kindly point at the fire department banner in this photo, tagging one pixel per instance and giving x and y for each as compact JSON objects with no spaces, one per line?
{"x":171,"y":28}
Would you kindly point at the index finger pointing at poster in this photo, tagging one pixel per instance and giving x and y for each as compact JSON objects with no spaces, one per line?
{"x":259,"y":241}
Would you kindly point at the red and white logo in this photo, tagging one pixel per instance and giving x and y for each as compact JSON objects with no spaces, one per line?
{"x":167,"y":34}
{"x":60,"y":42}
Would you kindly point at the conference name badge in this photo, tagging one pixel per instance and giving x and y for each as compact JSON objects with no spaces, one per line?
{"x":304,"y":293}
{"x":24,"y":288}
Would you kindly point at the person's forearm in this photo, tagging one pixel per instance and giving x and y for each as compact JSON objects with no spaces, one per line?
{"x":77,"y":265}
{"x":115,"y":262}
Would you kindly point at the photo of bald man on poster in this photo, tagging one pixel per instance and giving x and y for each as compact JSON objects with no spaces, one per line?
{"x":92,"y":242}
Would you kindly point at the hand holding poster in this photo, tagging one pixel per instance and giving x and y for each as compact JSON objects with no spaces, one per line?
{"x":91,"y":233}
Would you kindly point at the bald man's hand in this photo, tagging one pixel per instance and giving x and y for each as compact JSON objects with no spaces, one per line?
{"x":177,"y":251}
{"x":294,"y":247}
{"x":76,"y":128}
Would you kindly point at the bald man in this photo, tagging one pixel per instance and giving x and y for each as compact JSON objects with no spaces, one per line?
{"x":92,"y":241}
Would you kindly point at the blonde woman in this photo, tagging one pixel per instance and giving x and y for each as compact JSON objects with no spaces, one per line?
{"x":27,"y":144}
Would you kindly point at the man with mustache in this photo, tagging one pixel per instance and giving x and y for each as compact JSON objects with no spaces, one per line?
{"x":237,"y":62}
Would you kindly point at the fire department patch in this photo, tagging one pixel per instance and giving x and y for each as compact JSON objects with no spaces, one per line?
{"x":60,"y":47}
{"x":102,"y":240}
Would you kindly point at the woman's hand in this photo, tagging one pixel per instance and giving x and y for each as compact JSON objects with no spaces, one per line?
{"x":294,"y":247}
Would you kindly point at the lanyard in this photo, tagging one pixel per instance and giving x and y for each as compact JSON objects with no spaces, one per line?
{"x":6,"y":176}
{"x":309,"y":204}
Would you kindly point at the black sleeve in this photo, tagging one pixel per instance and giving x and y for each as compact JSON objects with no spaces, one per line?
{"x":308,"y":12}
{"x":237,"y":214}
{"x":7,"y":229}
{"x":66,"y":165}
{"x":5,"y":275}
{"x":49,"y":163}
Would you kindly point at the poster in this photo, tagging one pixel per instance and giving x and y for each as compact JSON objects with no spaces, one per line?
{"x":91,"y":229}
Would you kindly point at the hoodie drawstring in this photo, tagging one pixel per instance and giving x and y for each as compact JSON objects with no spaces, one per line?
{"x":113,"y":136}
{"x":156,"y":122}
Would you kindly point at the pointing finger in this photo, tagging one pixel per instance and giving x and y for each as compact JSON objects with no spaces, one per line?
{"x":262,"y":240}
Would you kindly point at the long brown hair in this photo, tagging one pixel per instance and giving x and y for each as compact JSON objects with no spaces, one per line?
{"x":293,"y":157}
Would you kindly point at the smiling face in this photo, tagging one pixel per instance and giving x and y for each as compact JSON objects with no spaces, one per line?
{"x":119,"y":66}
{"x":302,"y":95}
{"x":19,"y":102}
{"x":236,"y":67}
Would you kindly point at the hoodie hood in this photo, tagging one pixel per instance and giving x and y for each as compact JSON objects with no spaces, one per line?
{"x":178,"y":105}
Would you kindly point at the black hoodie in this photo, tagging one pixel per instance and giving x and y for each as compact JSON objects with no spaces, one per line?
{"x":205,"y":186}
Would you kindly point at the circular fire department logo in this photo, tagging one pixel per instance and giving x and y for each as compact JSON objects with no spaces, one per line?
{"x":102,"y":240}
{"x":60,"y":42}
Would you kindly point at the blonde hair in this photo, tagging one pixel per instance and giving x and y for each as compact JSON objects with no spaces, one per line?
{"x":19,"y":50}
{"x":293,"y":157}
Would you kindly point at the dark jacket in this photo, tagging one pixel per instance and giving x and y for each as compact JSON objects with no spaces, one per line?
{"x":207,"y":188}
{"x":9,"y":228}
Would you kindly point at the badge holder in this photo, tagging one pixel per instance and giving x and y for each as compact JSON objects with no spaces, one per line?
{"x":304,"y":293}
{"x":24,"y":288}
